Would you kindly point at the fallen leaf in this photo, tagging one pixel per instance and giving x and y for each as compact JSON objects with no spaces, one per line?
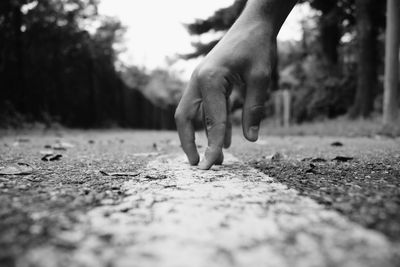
{"x":170,"y":186}
{"x":51,"y":157}
{"x":120,"y":173}
{"x":314,"y":160}
{"x":46,"y":157}
{"x":156,"y":177}
{"x":337,"y":144}
{"x":56,"y":157}
{"x":16,"y":169}
{"x":342,"y":158}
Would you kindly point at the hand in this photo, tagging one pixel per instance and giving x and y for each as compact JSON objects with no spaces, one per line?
{"x":241,"y":61}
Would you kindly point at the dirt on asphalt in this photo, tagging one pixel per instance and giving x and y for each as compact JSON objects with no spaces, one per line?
{"x":358,"y":177}
{"x":35,"y":207}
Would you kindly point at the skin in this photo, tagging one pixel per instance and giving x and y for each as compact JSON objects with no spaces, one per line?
{"x":240,"y":62}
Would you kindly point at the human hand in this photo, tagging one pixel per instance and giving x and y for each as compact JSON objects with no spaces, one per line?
{"x":241,"y":61}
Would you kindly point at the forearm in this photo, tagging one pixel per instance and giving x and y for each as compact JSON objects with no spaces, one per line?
{"x":271,"y":12}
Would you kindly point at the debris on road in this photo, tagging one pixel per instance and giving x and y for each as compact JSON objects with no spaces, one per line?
{"x":60,"y":145}
{"x":342,"y":158}
{"x":337,"y":143}
{"x":16,"y":169}
{"x":277,"y":157}
{"x":156,"y":176}
{"x":46,"y":152}
{"x":133,"y":174}
{"x":314,"y":160}
{"x":241,"y":217}
{"x":51,"y":157}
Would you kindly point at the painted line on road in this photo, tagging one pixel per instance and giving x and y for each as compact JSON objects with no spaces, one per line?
{"x":233,"y":215}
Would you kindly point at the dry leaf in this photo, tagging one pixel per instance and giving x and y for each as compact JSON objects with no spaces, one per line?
{"x":120,"y":173}
{"x":342,"y":158}
{"x":51,"y":157}
{"x":337,"y":144}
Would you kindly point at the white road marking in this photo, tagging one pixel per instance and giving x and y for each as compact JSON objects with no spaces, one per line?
{"x":232,"y":215}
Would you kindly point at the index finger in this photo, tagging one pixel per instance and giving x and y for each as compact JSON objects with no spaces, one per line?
{"x":185,"y":113}
{"x":214,"y":94}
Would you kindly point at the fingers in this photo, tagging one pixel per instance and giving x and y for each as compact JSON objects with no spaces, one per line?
{"x":228,"y":130}
{"x":253,"y":109}
{"x":214,"y":91}
{"x":185,"y":113}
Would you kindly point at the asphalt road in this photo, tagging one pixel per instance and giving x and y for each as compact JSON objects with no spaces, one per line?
{"x":128,"y":198}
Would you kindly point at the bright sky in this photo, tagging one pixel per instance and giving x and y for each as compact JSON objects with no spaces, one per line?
{"x":155,"y":29}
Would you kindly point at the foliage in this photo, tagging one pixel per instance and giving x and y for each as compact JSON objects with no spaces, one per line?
{"x":330,"y":44}
{"x":58,"y":63}
{"x":322,"y":93}
{"x":163,"y":88}
{"x":319,"y":89}
{"x":220,"y":21}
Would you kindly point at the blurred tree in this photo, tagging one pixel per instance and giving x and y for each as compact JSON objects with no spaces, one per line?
{"x":329,"y":27}
{"x":58,"y":63}
{"x":163,"y":88}
{"x":363,"y":19}
{"x":390,"y":107}
{"x":334,"y":13}
{"x":220,"y":21}
{"x":367,"y":14}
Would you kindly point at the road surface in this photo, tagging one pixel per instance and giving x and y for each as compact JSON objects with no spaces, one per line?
{"x":122,"y":198}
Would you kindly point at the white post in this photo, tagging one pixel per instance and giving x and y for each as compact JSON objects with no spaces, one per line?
{"x":390,"y":104}
{"x":286,"y":107}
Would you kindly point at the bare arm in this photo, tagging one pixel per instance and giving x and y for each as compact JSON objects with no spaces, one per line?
{"x":242,"y":60}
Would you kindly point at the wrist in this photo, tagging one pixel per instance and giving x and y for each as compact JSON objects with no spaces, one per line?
{"x":271,"y":13}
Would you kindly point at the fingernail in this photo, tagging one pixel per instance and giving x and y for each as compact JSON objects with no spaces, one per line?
{"x":204,"y":165}
{"x":194,"y":160}
{"x":253,"y":132}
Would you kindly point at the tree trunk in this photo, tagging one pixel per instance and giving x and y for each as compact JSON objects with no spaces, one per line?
{"x":274,"y":83}
{"x":20,"y":77}
{"x":329,"y":37}
{"x":366,"y":67}
{"x":390,"y":104}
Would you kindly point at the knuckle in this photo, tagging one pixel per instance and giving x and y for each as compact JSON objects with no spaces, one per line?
{"x":210,"y":73}
{"x":261,"y":73}
{"x":256,"y":112}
